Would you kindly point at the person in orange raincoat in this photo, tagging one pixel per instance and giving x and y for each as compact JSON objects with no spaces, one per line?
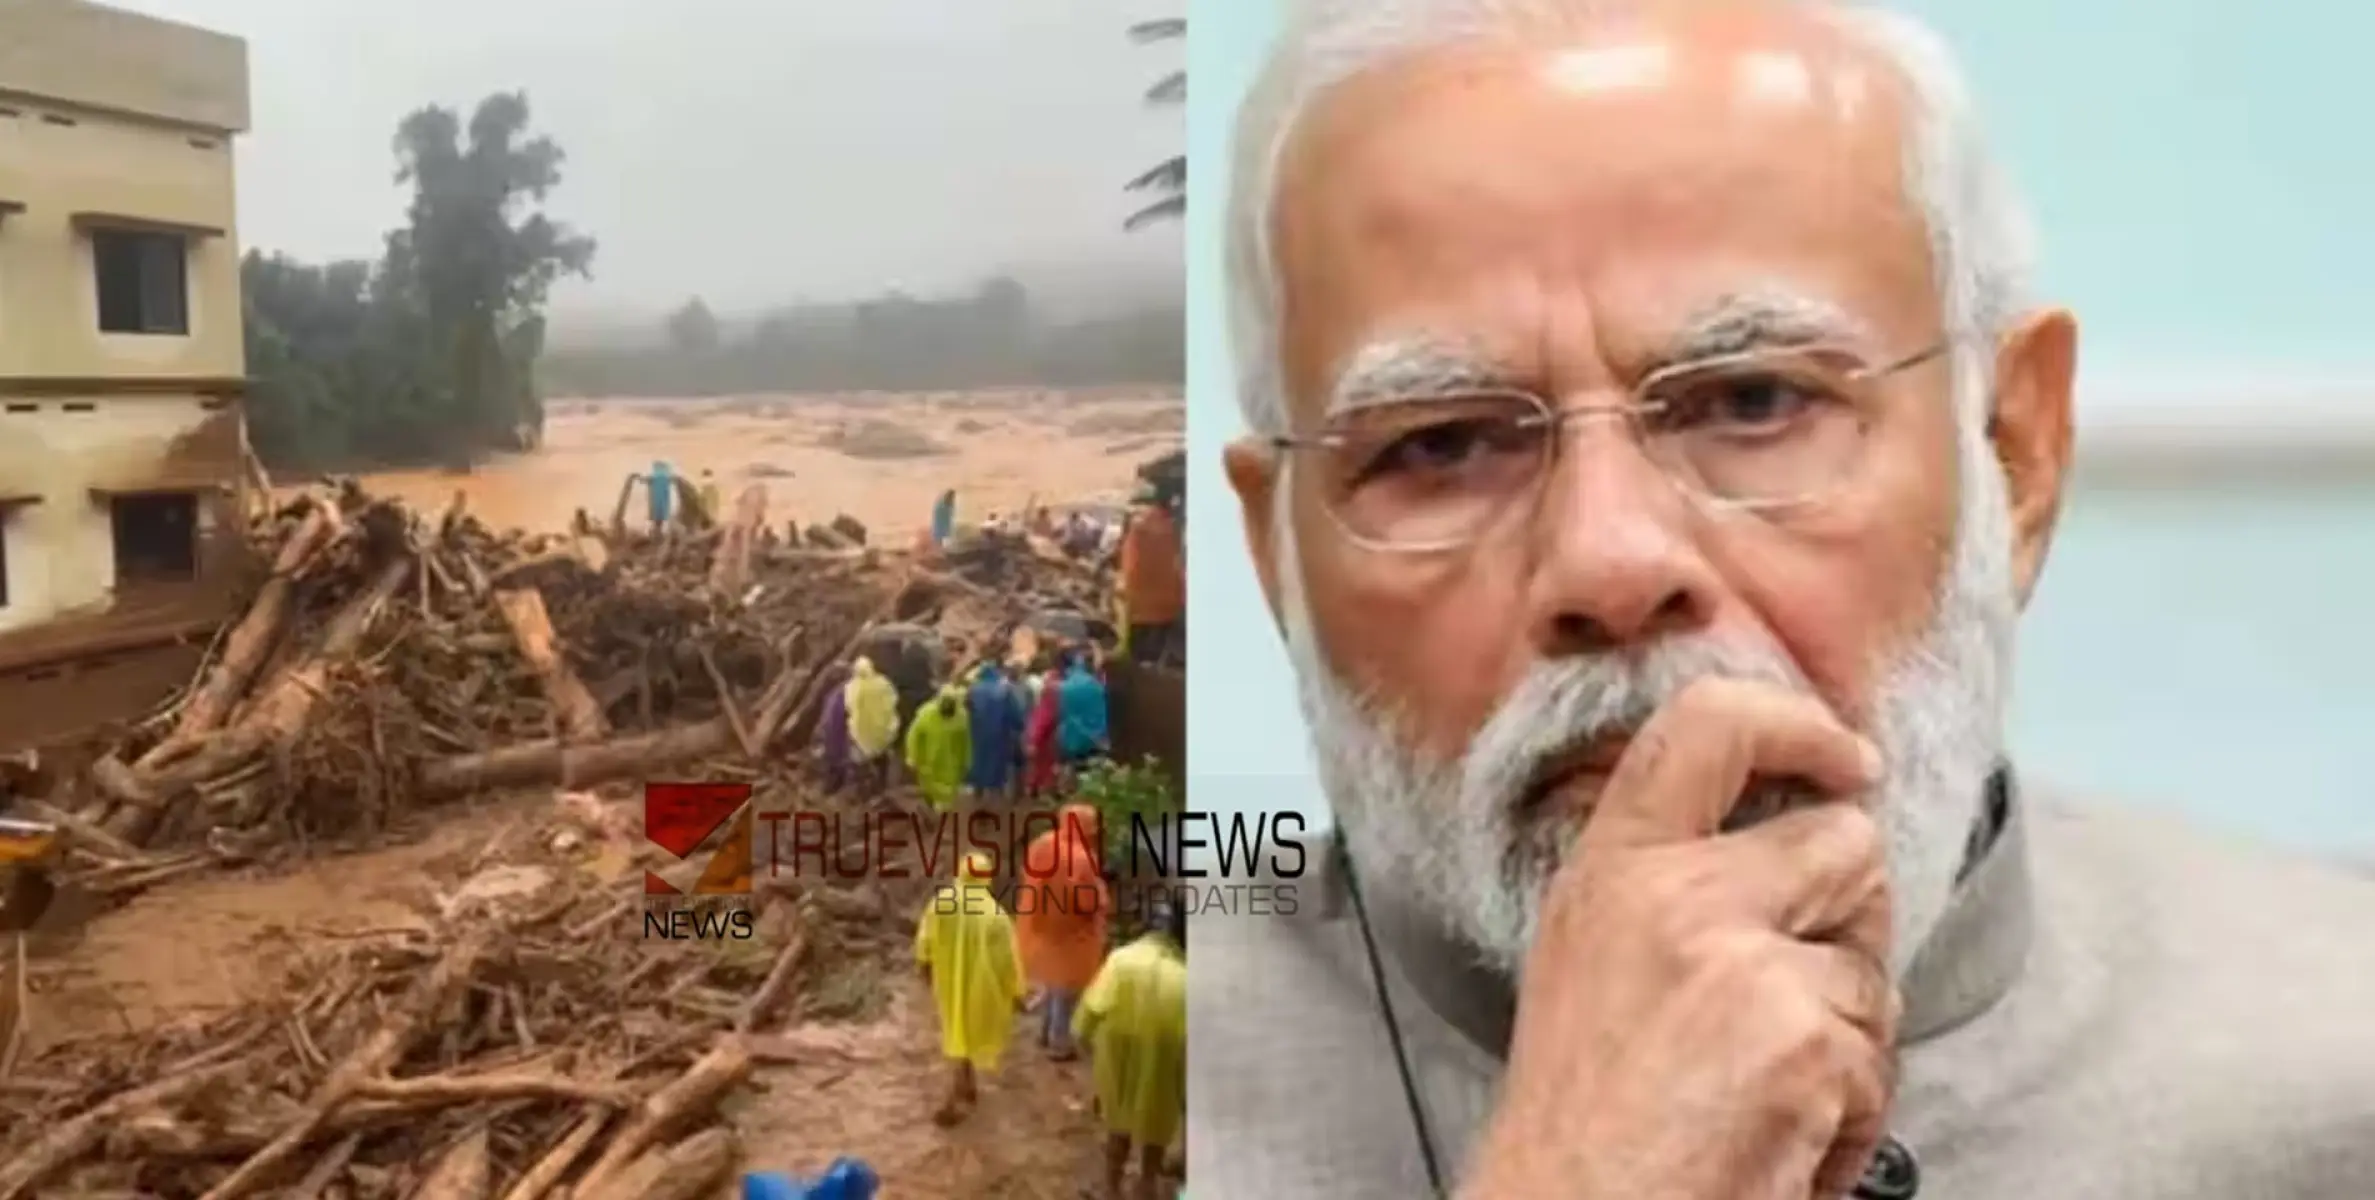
{"x":1039,"y":737}
{"x":1060,"y":913}
{"x":1153,"y":584}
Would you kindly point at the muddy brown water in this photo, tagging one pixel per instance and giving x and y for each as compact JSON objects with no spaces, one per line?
{"x":818,"y":456}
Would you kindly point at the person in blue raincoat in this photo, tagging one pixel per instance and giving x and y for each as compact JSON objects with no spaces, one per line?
{"x":660,"y":487}
{"x":1081,"y":733}
{"x":995,"y":707}
{"x":944,"y":517}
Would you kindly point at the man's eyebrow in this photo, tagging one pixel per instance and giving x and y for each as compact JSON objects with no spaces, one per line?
{"x":1755,"y":320}
{"x":1411,"y":369}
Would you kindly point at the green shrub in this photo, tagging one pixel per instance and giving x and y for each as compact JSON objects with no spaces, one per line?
{"x":1120,"y":792}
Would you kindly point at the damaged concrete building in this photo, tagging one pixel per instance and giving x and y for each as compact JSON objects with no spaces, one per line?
{"x":124,"y":472}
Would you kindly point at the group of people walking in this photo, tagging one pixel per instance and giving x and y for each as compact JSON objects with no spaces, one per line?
{"x":1127,"y":1010}
{"x":990,"y":734}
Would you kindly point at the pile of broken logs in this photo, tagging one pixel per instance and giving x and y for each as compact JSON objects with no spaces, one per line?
{"x":518,"y":1044}
{"x":391,"y":661}
{"x":502,"y":1048}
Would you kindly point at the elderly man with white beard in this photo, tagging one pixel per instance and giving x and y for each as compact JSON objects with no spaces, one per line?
{"x":1655,"y":443}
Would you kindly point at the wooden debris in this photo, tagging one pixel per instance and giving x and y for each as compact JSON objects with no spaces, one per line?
{"x":730,"y":569}
{"x":531,"y":1042}
{"x":573,"y":706}
{"x":431,"y":995}
{"x":463,"y":1172}
{"x":689,"y":1170}
{"x":762,"y":1003}
{"x":252,"y":640}
{"x":695,"y":1092}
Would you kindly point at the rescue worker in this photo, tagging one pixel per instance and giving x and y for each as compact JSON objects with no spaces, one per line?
{"x":964,"y":943}
{"x":1153,"y":583}
{"x":944,"y":517}
{"x":1134,"y":1022}
{"x":1041,"y":753}
{"x":1081,"y":732}
{"x":832,"y":732}
{"x":873,"y":707}
{"x":660,"y":491}
{"x":940,"y":747}
{"x":1060,"y":916}
{"x":995,"y":713}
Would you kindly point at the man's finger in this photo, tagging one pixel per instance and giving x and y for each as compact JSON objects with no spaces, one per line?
{"x":1850,"y":984}
{"x":1817,"y":873}
{"x":1868,"y":1079}
{"x":1692,"y":760}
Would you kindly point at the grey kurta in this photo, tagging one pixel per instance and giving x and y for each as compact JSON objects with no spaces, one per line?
{"x":2116,"y":1007}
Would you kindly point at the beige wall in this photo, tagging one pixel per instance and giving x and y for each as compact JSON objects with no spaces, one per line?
{"x":107,"y":113}
{"x":61,"y":551}
{"x":49,"y":323}
{"x":104,"y":58}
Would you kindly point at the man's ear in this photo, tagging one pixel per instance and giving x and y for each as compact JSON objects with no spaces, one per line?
{"x":2031,"y":429}
{"x":1253,"y":473}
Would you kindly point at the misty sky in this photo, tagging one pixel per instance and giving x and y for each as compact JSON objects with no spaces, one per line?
{"x":750,"y":151}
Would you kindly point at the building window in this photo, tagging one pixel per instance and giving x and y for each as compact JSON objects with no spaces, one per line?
{"x":156,"y":537}
{"x":143,"y":281}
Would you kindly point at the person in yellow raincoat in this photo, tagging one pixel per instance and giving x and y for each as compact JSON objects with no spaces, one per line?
{"x":940,"y":746}
{"x":1134,"y":1023}
{"x":873,"y":707}
{"x":965,"y":944}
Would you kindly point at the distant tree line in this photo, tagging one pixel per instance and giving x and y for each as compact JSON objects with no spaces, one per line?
{"x":989,"y":338}
{"x":427,"y":355}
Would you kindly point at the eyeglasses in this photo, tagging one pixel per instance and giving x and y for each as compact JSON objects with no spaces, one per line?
{"x":1763,"y":429}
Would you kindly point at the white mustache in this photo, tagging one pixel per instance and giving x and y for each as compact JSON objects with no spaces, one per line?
{"x":1563,"y":704}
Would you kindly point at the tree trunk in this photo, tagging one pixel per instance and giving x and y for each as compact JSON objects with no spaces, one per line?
{"x":557,"y":764}
{"x":579,"y":719}
{"x":279,"y":714}
{"x":689,"y":1170}
{"x":690,"y":1095}
{"x":250,"y":642}
{"x":731,"y":568}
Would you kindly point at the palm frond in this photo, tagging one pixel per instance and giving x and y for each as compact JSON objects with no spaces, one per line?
{"x":1164,"y":29}
{"x":1170,"y":175}
{"x":1169,"y":90}
{"x":1169,"y":208}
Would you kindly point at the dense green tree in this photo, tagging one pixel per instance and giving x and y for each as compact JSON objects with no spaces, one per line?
{"x":429,"y":354}
{"x":433,"y":354}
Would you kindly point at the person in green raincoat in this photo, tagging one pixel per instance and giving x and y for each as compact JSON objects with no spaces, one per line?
{"x":1133,"y":1020}
{"x":940,"y":746}
{"x":873,"y":708}
{"x":965,"y":944}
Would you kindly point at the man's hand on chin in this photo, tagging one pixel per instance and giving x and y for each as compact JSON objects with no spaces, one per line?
{"x":1705,"y":1015}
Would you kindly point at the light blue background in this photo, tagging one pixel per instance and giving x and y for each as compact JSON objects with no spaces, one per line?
{"x":2204,"y":194}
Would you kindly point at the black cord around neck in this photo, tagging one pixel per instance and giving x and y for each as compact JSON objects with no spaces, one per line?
{"x":1393,"y":1025}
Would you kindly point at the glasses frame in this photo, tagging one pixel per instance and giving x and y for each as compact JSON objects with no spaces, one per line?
{"x":1631,"y":411}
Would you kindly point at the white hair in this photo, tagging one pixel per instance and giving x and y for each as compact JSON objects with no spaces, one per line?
{"x":1447,"y":832}
{"x":1981,"y":243}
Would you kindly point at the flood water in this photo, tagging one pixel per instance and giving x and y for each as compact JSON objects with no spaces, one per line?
{"x":880,"y":459}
